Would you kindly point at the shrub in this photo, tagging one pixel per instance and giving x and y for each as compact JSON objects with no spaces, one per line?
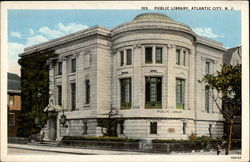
{"x":193,"y":136}
{"x":112,"y":139}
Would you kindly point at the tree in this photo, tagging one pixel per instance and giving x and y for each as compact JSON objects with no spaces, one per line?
{"x":34,"y":92}
{"x":227,"y":84}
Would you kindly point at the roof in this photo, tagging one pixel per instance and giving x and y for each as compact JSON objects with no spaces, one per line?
{"x":13,"y":82}
{"x":229,"y":53}
{"x":152,"y":16}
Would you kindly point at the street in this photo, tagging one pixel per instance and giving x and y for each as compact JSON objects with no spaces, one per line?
{"x":39,"y":149}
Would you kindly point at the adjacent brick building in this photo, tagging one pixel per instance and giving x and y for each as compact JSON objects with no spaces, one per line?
{"x":14,"y":103}
{"x":146,"y":70}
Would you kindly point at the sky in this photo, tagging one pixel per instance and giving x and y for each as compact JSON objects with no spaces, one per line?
{"x":30,"y":27}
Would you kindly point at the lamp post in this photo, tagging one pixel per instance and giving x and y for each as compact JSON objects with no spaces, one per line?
{"x":63,"y":119}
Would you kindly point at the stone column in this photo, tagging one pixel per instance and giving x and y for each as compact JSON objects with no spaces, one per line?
{"x":137,"y":79}
{"x":153,"y":54}
{"x":191,"y":73}
{"x":202,"y":90}
{"x":115,"y":63}
{"x":171,"y":77}
{"x":65,"y":84}
{"x":165,"y":77}
{"x":58,"y":127}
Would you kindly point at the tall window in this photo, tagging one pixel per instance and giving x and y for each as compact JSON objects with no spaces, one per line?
{"x":73,"y":65}
{"x":73,"y":96}
{"x":184,"y":58}
{"x":180,"y":93}
{"x":125,"y":93}
{"x":210,"y":130}
{"x":59,"y":95}
{"x":129,"y":56}
{"x":180,"y":57}
{"x":207,"y":67}
{"x":184,"y":127}
{"x":207,"y":91}
{"x":153,"y":89}
{"x":148,"y":55}
{"x":59,"y":68}
{"x":11,"y":100}
{"x":11,"y":119}
{"x":158,"y":55}
{"x":122,"y":57}
{"x":153,"y":127}
{"x":87,"y":92}
{"x":85,"y":128}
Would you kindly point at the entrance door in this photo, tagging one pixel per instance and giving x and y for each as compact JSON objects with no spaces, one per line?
{"x":52,"y":128}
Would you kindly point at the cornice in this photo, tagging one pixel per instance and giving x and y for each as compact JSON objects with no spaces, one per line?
{"x":95,"y":30}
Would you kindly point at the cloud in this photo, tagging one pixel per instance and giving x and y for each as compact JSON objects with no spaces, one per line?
{"x":50,"y":33}
{"x":14,"y":67}
{"x":30,"y":31}
{"x":45,"y":34}
{"x":71,"y":27}
{"x":206,"y":32}
{"x":36,"y":40}
{"x":16,"y":34}
{"x":61,"y":30}
{"x":14,"y":49}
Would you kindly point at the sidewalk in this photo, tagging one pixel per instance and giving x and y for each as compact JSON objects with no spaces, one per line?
{"x":70,"y":150}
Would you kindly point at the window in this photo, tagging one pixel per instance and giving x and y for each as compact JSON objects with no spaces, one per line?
{"x":59,"y":95}
{"x":59,"y":68}
{"x":11,"y":100}
{"x":73,"y":65}
{"x":184,"y":58}
{"x":180,"y":57}
{"x":73,"y":96}
{"x":121,"y":127}
{"x":153,"y":89}
{"x":87,"y":92}
{"x":129,"y":56}
{"x":180,"y":93}
{"x":210,"y":130}
{"x":11,"y":119}
{"x":148,"y":55}
{"x":158,"y":56}
{"x":153,"y":127}
{"x":207,"y":67}
{"x":184,"y":127}
{"x":85,"y":128}
{"x":125,"y":93}
{"x":207,"y":91}
{"x":122,"y":57}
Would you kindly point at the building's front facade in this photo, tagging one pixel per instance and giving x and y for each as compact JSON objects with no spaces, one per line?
{"x":146,"y":70}
{"x":14,"y":103}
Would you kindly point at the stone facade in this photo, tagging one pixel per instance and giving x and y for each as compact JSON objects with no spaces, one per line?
{"x":121,"y":64}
